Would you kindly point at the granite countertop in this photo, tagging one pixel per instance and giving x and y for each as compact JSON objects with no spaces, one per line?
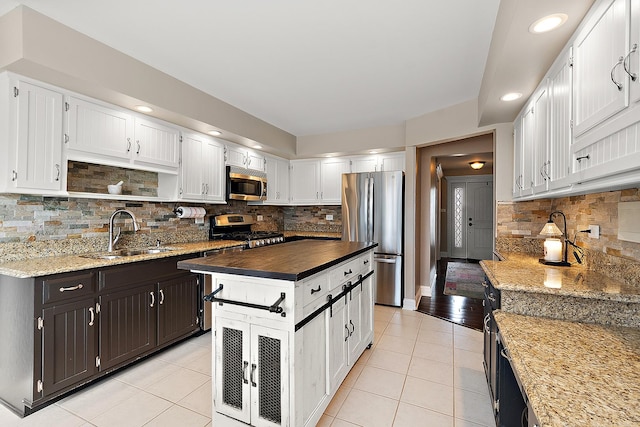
{"x":523,"y":273}
{"x":575,"y":374}
{"x":287,"y":261}
{"x":35,"y":267}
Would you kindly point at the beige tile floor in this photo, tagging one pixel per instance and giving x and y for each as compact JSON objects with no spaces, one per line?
{"x":421,"y":371}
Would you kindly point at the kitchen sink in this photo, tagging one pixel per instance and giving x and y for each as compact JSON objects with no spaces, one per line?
{"x":127,"y":252}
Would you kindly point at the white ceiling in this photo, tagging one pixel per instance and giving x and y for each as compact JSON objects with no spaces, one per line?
{"x":308,"y":67}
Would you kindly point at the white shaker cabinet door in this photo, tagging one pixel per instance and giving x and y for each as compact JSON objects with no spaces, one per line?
{"x":37,"y":138}
{"x":305,"y":182}
{"x":601,"y":84}
{"x":560,"y":136}
{"x":331,"y":180}
{"x":95,"y":129}
{"x":213,"y":171}
{"x":191,"y":182}
{"x":156,"y":144}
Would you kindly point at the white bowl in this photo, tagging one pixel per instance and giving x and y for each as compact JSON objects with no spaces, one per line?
{"x":114,"y":189}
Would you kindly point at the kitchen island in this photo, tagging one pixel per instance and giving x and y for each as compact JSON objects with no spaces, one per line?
{"x":290,"y":321}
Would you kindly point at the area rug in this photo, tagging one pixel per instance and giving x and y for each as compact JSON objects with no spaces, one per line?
{"x":464,"y":279}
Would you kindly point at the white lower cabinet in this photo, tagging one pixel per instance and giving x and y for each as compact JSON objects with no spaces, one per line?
{"x":283,"y":368}
{"x":252,"y":373}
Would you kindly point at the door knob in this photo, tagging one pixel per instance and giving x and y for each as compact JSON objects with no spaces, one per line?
{"x":470,"y":224}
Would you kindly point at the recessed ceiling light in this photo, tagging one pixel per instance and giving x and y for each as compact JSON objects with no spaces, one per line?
{"x":257,"y":146}
{"x":144,"y":108}
{"x":512,"y":96}
{"x":373,"y":152}
{"x":548,"y":23}
{"x":215,"y":132}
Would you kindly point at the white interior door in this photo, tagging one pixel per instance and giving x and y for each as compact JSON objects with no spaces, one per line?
{"x":480,"y":220}
{"x":471,"y":217}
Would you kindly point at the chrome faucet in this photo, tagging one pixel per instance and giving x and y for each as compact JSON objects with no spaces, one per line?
{"x":112,"y":240}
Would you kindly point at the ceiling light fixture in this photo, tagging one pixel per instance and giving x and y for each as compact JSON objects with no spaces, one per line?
{"x":477,"y":165}
{"x":144,"y":108}
{"x":511,"y":96}
{"x":548,"y":23}
{"x":214,"y":132}
{"x":257,"y":146}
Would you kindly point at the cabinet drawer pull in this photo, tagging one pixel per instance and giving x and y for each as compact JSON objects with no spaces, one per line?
{"x":93,"y":316}
{"x":153,"y":299}
{"x":366,"y":261}
{"x":484,"y":284}
{"x":346,"y":273}
{"x":253,"y":373}
{"x":613,"y":79}
{"x":138,"y":144}
{"x":313,"y":291}
{"x":503,"y":353}
{"x":486,"y":320}
{"x":161,"y":297}
{"x":128,"y":144}
{"x":491,"y":298}
{"x":72,"y":288}
{"x":58,"y":172}
{"x":625,"y":64}
{"x":353,"y":328}
{"x":245,"y":365}
{"x":581,"y":158}
{"x":346,"y":327}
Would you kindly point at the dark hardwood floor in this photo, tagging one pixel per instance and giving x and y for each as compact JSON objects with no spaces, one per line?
{"x":457,"y":309}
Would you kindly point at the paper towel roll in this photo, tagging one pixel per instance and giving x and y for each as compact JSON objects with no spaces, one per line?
{"x":190,"y":212}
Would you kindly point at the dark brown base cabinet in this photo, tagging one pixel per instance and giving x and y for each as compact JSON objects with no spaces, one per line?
{"x":509,"y":405}
{"x":62,"y":331}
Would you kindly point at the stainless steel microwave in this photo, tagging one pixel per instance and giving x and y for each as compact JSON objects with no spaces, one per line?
{"x":246,"y":184}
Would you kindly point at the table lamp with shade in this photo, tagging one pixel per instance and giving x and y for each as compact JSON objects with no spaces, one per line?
{"x":553,"y":248}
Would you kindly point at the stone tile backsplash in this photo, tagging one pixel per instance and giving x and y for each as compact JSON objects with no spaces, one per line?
{"x":37,"y":226}
{"x":519,"y":223}
{"x":92,"y":178}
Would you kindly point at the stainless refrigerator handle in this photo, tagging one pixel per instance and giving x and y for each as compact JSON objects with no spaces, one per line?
{"x":370,"y":218}
{"x":386,"y":260}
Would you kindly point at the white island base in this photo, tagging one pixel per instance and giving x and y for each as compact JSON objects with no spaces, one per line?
{"x":283,"y":347}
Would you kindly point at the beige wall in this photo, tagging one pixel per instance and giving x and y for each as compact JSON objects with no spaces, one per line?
{"x":355,"y":141}
{"x":49,"y":51}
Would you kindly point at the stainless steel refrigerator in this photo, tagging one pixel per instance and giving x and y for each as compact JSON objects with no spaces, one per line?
{"x":373,"y":211}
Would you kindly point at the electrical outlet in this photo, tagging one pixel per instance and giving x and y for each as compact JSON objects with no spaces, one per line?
{"x":594,"y":232}
{"x":260,"y":218}
{"x":329,"y":217}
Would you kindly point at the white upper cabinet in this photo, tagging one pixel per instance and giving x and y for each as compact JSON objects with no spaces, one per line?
{"x":94,"y":129}
{"x":601,"y":83}
{"x":632,"y":60}
{"x":364,"y":164}
{"x":331,"y":171}
{"x":318,"y":182}
{"x":392,"y":161}
{"x":540,"y":139}
{"x":202,"y":173}
{"x":379,"y":162}
{"x":34,"y":145}
{"x":103,"y":134}
{"x":277,"y":181}
{"x":517,"y":156}
{"x":305,"y":182}
{"x":156,"y":144}
{"x":242,"y":157}
{"x":560,"y":89}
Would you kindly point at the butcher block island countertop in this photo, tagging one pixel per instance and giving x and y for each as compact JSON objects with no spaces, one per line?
{"x":286,"y":261}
